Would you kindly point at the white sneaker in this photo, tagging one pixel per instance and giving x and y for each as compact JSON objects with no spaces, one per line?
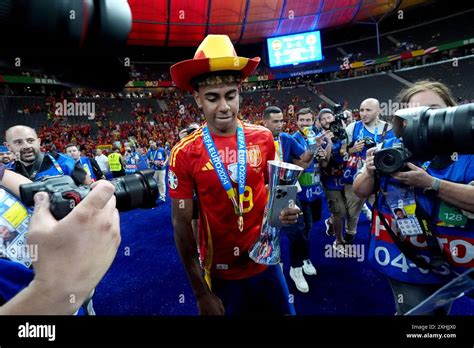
{"x":367,"y":212}
{"x":340,"y":248}
{"x":297,"y":275}
{"x":308,"y":267}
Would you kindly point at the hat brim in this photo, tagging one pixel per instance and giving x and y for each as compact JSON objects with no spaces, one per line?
{"x":183,"y":72}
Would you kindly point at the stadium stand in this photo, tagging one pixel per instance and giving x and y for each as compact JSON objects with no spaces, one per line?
{"x":457,"y":74}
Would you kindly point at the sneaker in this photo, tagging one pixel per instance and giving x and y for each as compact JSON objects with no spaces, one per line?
{"x":340,"y":248}
{"x":329,"y":228}
{"x":297,"y":275}
{"x":308,"y":267}
{"x":349,"y":238}
{"x":367,"y":212}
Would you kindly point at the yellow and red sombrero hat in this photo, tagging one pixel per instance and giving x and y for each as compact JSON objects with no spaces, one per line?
{"x":215,"y":53}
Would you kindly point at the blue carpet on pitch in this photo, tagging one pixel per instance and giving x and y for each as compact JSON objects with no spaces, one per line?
{"x":147,"y":277}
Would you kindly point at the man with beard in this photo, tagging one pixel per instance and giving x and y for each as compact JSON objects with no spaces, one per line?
{"x":5,"y":155}
{"x":33,"y":164}
{"x":89,"y":164}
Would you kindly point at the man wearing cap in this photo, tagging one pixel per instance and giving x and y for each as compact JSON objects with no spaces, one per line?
{"x":6,"y":155}
{"x":225,"y":163}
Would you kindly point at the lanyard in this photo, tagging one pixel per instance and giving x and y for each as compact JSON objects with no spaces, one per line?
{"x":56,"y":165}
{"x":38,"y":164}
{"x":222,"y":172}
{"x":154,"y":152}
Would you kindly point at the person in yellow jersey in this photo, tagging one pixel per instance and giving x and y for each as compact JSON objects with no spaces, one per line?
{"x":117,"y":167}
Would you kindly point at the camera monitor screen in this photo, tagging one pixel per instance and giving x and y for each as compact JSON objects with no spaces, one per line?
{"x":294,"y":49}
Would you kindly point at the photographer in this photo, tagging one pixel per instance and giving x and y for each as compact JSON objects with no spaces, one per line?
{"x":75,"y":240}
{"x":33,"y":164}
{"x":331,"y":177}
{"x":361,"y":135}
{"x":432,"y":244}
{"x":311,"y":194}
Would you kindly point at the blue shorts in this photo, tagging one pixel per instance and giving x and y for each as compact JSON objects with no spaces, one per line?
{"x":264,"y":293}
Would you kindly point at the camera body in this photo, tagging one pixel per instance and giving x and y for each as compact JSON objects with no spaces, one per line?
{"x":337,"y":127}
{"x":137,"y":190}
{"x":391,"y":160}
{"x":369,"y":142}
{"x":428,"y":132}
{"x":64,"y":193}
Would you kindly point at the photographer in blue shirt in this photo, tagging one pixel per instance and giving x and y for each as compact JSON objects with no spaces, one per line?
{"x":434,"y":243}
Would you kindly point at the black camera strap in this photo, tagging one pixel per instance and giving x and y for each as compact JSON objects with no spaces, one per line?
{"x":436,"y":258}
{"x":430,"y":233}
{"x":384,"y":132}
{"x":31,"y":172}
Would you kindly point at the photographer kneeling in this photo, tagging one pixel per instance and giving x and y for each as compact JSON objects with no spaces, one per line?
{"x":73,"y":254}
{"x":429,"y":242}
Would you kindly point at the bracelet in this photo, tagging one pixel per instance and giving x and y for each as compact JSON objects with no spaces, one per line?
{"x":2,"y":171}
{"x":434,"y":187}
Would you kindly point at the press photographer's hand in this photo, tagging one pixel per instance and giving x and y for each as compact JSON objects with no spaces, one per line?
{"x":75,"y":252}
{"x":416,"y":177}
{"x":358,"y":146}
{"x":369,"y":161}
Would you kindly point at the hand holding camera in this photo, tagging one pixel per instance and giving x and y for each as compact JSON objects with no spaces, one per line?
{"x":88,"y":238}
{"x":358,"y":146}
{"x":369,"y":161}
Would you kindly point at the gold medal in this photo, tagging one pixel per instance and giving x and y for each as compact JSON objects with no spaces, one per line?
{"x":240,"y":223}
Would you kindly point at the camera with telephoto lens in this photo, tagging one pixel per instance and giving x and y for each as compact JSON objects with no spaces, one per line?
{"x":425,"y":133}
{"x":336,"y":126}
{"x":137,"y":190}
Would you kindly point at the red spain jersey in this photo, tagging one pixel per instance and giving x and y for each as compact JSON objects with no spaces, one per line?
{"x":223,"y":248}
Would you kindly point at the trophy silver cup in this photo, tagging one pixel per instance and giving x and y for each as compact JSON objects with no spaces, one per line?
{"x":282,"y":186}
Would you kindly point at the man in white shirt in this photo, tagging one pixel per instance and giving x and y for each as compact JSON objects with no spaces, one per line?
{"x":103,"y":161}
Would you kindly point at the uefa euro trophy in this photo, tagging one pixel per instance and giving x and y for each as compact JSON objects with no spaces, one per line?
{"x":282,"y":189}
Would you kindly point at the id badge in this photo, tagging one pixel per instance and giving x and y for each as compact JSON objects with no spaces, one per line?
{"x":14,"y":221}
{"x":403,"y":206}
{"x":451,"y":216}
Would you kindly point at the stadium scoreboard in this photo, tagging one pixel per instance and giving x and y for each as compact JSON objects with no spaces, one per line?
{"x":294,"y":49}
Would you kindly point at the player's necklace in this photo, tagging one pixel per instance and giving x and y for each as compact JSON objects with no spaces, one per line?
{"x":222,"y":172}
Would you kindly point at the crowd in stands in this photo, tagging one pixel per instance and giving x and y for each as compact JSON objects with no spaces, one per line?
{"x":147,"y":123}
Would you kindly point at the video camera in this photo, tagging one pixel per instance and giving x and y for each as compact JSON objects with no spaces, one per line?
{"x":336,"y":126}
{"x":137,"y":190}
{"x":425,"y":133}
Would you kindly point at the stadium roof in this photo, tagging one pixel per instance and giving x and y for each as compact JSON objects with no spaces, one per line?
{"x":187,"y":22}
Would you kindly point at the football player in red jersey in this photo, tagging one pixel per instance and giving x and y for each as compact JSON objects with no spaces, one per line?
{"x":225,"y":163}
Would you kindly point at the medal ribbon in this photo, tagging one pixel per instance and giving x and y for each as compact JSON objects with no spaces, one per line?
{"x":222,"y":172}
